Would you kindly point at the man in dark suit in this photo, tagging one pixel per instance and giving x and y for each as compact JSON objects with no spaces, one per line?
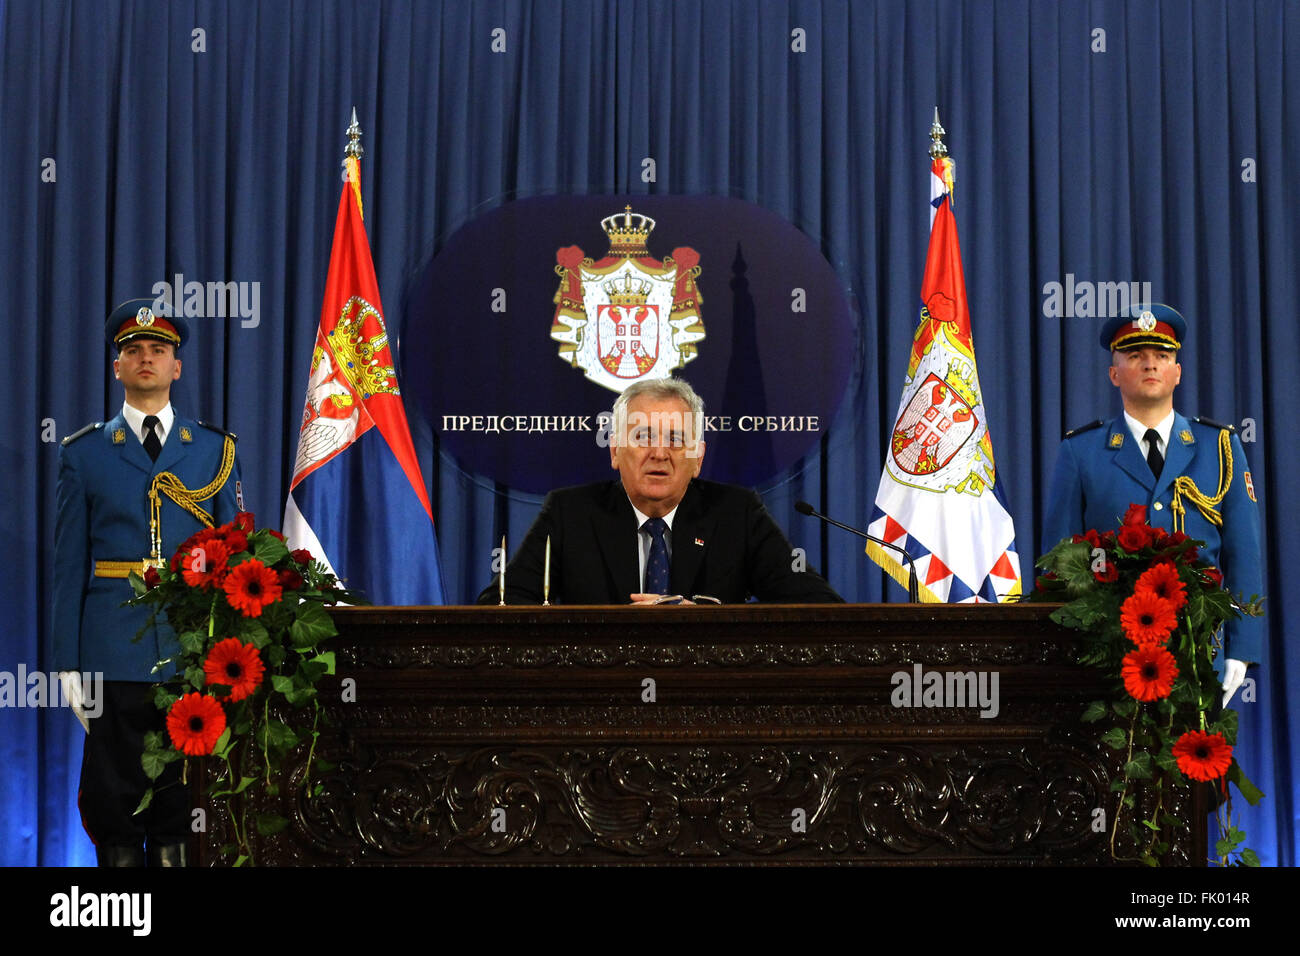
{"x":103,"y":532}
{"x":659,"y":530}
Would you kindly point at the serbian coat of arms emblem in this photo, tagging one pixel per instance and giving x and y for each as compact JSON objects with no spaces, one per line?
{"x":940,"y":440}
{"x":627,"y":316}
{"x":349,"y":365}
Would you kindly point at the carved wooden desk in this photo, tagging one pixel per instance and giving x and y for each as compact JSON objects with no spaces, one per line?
{"x":739,"y":734}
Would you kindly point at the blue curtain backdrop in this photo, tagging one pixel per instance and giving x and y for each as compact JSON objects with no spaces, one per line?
{"x":1110,"y":140}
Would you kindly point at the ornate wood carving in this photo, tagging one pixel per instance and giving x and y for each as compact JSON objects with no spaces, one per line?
{"x":719,"y":735}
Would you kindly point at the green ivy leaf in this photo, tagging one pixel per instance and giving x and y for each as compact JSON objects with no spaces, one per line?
{"x":267,"y":549}
{"x":1248,"y":790}
{"x":195,"y":677}
{"x":1095,"y":712}
{"x":269,"y":824}
{"x":1248,"y":858}
{"x":193,"y":642}
{"x":1115,"y":738}
{"x":1139,"y":768}
{"x":1227,"y":724}
{"x":277,"y":736}
{"x":312,"y":626}
{"x":300,"y":695}
{"x":144,"y":801}
{"x":1166,"y":760}
{"x":255,"y":633}
{"x":282,"y":683}
{"x":155,"y":762}
{"x":224,"y":743}
{"x":163,"y":700}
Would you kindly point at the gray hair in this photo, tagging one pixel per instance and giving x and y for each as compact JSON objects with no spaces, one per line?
{"x":659,"y":388}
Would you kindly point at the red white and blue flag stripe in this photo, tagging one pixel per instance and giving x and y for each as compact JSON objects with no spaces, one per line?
{"x":357,"y":499}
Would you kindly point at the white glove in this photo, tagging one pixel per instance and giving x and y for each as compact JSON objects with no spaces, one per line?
{"x":1234,"y":672}
{"x":72,"y":693}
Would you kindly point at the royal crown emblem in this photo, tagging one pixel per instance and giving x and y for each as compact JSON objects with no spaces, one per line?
{"x":627,"y":316}
{"x":349,"y":365}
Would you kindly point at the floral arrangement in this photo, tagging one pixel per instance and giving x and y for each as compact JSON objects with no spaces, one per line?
{"x":1151,"y":612}
{"x":249,"y":615}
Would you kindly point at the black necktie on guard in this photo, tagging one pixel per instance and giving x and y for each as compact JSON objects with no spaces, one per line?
{"x":151,"y":443}
{"x":1154,"y":458}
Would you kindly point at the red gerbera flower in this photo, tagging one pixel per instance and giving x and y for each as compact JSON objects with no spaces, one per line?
{"x":234,"y":664}
{"x":1147,"y":618}
{"x":1149,"y":672}
{"x":251,"y":586}
{"x":1203,"y":756}
{"x":194,"y":723}
{"x":205,"y":564}
{"x":1163,"y":580}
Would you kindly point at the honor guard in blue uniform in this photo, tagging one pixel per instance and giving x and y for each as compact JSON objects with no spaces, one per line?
{"x":130,"y":491}
{"x":1190,"y":473}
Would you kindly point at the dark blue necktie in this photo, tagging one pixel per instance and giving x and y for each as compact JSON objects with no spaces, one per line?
{"x":656,"y":568}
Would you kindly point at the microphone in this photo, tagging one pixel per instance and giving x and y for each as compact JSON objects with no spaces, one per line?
{"x":913,"y":593}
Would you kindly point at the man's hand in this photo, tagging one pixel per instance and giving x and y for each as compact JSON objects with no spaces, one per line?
{"x":1234,"y":672}
{"x":654,"y":599}
{"x":72,"y":693}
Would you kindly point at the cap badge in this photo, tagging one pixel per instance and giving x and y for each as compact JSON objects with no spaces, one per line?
{"x":1146,"y":321}
{"x":144,"y":318}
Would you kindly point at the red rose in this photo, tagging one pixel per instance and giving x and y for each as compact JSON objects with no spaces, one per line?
{"x":1213,"y":578}
{"x":1108,"y":539}
{"x":1136,"y":515}
{"x":301,"y":555}
{"x":152,"y":578}
{"x":244,"y":522}
{"x":290,"y":580}
{"x":237,"y":540}
{"x":1133,"y":537}
{"x":275,"y":534}
{"x":1049,"y":576}
{"x":1109,"y":572}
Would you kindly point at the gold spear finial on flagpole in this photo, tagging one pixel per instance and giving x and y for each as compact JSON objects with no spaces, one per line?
{"x":352,"y":154}
{"x":937,"y":131}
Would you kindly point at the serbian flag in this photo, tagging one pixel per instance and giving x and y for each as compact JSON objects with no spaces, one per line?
{"x":939,"y":497}
{"x":357,"y":499}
